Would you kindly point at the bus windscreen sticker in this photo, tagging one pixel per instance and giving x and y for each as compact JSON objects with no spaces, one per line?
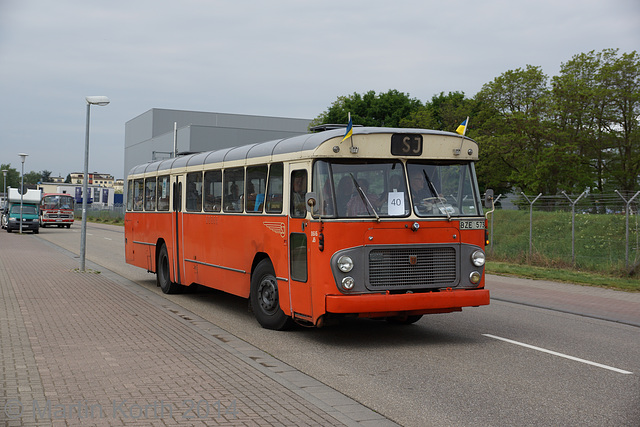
{"x":396,"y":203}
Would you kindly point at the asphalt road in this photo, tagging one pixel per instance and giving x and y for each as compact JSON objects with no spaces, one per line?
{"x":502,"y":364}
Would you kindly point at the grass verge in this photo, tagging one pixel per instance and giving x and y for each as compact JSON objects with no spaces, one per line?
{"x":563,"y":275}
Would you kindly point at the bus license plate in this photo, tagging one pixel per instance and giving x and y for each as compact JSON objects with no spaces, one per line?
{"x":471,"y":225}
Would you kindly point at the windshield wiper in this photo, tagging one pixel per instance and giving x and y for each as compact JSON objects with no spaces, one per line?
{"x":432,"y":188}
{"x":364,"y":198}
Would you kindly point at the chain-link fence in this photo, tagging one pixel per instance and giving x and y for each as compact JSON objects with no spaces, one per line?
{"x":594,"y":232}
{"x":113,"y":213}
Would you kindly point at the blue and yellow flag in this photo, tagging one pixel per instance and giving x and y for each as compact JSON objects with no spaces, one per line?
{"x":349,"y":132}
{"x":462,"y":129}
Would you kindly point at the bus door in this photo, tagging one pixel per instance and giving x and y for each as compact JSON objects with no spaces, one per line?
{"x":177,"y":229}
{"x":299,"y":236}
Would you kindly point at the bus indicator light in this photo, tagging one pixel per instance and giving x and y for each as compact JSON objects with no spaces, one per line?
{"x":348,"y":283}
{"x":474,"y":277}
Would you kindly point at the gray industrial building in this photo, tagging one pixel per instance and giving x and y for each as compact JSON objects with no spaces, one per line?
{"x":150,"y":136}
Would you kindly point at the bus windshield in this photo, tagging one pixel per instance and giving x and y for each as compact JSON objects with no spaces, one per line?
{"x":57,"y":202}
{"x":378,"y":189}
{"x":347,"y":189}
{"x":443,"y":189}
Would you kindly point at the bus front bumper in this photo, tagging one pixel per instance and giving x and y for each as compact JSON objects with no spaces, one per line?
{"x":373,"y":305}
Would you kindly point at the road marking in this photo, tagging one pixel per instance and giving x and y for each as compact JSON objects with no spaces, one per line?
{"x":544,"y":350}
{"x":106,"y":238}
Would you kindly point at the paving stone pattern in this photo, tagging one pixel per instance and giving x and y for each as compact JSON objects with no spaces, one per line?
{"x":80,"y":349}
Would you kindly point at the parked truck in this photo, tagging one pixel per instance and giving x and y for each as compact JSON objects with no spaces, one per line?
{"x":29,"y":216}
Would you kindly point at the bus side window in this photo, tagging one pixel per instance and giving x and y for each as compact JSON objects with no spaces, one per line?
{"x":138,"y":194}
{"x":234,"y":188}
{"x":256,"y":182}
{"x":162,"y":191}
{"x":130,"y":195}
{"x":212,"y":191}
{"x":298,"y":191}
{"x":194,"y":192}
{"x":273,"y":202}
{"x":150,"y":194}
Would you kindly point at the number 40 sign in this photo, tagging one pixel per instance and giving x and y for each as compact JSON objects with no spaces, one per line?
{"x":396,"y":203}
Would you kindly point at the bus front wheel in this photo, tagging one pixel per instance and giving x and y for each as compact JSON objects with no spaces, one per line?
{"x":265,"y":302}
{"x":163,"y":273}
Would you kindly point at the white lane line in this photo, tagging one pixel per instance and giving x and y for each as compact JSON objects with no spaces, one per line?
{"x":107,"y":238}
{"x":566,"y":356}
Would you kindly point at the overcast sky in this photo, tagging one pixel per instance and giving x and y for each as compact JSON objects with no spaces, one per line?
{"x":273,"y":58}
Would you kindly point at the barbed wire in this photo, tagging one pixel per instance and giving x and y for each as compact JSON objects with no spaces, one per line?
{"x":605,"y":203}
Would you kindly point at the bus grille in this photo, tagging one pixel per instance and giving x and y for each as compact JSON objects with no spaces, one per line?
{"x":412,"y":268}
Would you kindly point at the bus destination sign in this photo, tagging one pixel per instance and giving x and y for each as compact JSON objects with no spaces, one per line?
{"x":404,"y":144}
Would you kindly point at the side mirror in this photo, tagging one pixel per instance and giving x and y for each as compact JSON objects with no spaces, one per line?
{"x":310,"y":201}
{"x":488,"y":199}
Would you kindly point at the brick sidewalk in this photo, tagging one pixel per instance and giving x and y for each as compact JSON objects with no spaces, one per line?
{"x":83,"y":349}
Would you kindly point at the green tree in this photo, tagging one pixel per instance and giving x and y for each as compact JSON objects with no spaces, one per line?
{"x":597,"y":96}
{"x":579,"y":108}
{"x":579,"y":132}
{"x":32,"y":178}
{"x":45,"y":176}
{"x":370,"y":109}
{"x":620,"y":75}
{"x":13,"y":177}
{"x":516,"y":134}
{"x":444,"y":112}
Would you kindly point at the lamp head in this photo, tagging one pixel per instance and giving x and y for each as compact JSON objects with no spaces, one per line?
{"x":22,"y":156}
{"x":97,"y":100}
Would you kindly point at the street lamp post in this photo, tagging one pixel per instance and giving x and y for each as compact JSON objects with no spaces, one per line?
{"x":22,"y":156}
{"x":6,"y":196}
{"x":4,"y":173}
{"x":91,"y":100}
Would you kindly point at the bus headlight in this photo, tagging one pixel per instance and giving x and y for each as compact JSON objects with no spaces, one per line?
{"x":478,"y":258}
{"x":347,"y":283}
{"x":474,"y":277}
{"x":345,"y":264}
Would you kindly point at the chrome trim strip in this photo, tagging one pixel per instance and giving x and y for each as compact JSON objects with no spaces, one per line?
{"x":144,"y":243}
{"x":216,"y":266}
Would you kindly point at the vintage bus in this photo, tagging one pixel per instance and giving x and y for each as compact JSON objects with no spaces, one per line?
{"x":385,"y":224}
{"x":56,"y":209}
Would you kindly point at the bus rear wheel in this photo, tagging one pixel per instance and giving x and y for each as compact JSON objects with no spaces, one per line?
{"x":264,"y":299}
{"x":163,"y":273}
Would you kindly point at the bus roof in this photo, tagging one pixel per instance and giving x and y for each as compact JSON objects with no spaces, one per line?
{"x":296,"y":144}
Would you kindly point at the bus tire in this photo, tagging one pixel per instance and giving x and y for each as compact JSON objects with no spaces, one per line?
{"x":265,"y":303}
{"x":163,"y":273}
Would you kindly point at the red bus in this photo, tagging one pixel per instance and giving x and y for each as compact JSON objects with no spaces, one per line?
{"x":56,"y":209}
{"x":385,"y":224}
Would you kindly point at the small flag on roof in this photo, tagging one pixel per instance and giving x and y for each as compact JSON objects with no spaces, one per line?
{"x":462,"y":129}
{"x":349,"y":131}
